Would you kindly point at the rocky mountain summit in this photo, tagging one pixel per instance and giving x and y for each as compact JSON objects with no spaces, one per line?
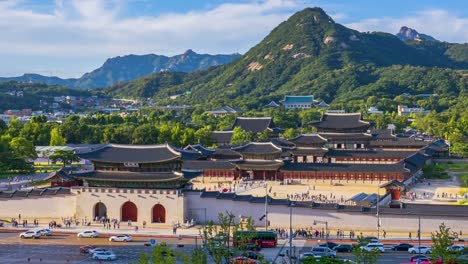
{"x":407,"y":33}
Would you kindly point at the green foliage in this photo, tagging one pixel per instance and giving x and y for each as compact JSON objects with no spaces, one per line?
{"x":441,"y":240}
{"x":67,"y":157}
{"x":240,"y":136}
{"x":363,"y":256}
{"x":434,"y":172}
{"x":56,"y":138}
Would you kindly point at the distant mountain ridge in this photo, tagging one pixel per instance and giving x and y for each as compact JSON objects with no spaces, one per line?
{"x":407,"y":33}
{"x":310,"y":54}
{"x":129,"y":67}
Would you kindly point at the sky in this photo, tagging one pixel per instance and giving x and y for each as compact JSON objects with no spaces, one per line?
{"x":68,"y":38}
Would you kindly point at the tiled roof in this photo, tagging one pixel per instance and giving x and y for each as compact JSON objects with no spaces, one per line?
{"x":399,"y":142}
{"x":225,"y":153}
{"x":226,"y":110}
{"x":34,"y":192}
{"x":249,"y":165}
{"x":60,"y":174}
{"x":208,"y":165}
{"x":297,"y":99}
{"x":346,"y":136}
{"x":340,"y":121}
{"x":129,"y":176}
{"x":343,"y":167}
{"x":132,"y":153}
{"x":383,"y":134}
{"x":303,"y":151}
{"x":222,"y":136}
{"x":201,"y":149}
{"x":369,"y":153}
{"x":307,"y":139}
{"x":254,"y":124}
{"x":258,"y":147}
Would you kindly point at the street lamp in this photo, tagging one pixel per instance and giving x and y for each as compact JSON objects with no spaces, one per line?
{"x":290,"y":230}
{"x":326,"y":229}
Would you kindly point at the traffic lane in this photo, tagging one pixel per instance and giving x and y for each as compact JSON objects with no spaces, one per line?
{"x":72,"y":239}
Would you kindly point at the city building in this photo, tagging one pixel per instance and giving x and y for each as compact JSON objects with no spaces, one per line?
{"x":405,"y":110}
{"x":225,"y":110}
{"x":298,"y":101}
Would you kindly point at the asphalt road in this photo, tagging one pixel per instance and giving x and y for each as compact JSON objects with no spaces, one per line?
{"x":64,"y":248}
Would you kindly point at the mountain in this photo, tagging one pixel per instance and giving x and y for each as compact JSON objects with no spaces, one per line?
{"x":407,"y":33}
{"x":129,"y":67}
{"x":311,"y":54}
{"x":37,"y":78}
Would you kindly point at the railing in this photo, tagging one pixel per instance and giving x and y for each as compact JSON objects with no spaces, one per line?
{"x":123,"y":190}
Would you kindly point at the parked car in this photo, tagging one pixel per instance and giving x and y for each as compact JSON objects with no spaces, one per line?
{"x":45,"y":232}
{"x":107,"y":255}
{"x":243,"y":260}
{"x":402,"y":247}
{"x":98,"y":250}
{"x":252,"y":255}
{"x":323,"y":251}
{"x":343,"y":248}
{"x":120,"y":238}
{"x":374,"y":246}
{"x":420,"y":257}
{"x":371,"y":239}
{"x":456,"y":248}
{"x":86,"y":249}
{"x":88,"y":233}
{"x":330,"y":245}
{"x":30,"y":234}
{"x":420,"y":250}
{"x":308,"y":255}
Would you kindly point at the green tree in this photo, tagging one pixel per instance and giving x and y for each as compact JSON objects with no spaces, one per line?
{"x":362,"y":256}
{"x":440,"y":242}
{"x":67,"y":157}
{"x":56,"y":138}
{"x":14,"y":127}
{"x":22,"y":148}
{"x":240,"y":136}
{"x":290,"y":133}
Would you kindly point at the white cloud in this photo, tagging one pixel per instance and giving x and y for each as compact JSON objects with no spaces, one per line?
{"x":98,"y":28}
{"x":438,"y":23}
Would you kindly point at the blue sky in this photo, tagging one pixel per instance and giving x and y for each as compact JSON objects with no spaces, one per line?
{"x":67,"y":38}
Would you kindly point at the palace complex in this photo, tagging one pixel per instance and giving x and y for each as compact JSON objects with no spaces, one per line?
{"x":164,"y":185}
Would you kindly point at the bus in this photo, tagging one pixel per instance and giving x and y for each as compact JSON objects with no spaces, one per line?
{"x":264,"y":239}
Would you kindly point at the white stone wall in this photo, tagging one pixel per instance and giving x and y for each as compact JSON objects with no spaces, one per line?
{"x":41,"y":207}
{"x":144,"y":200}
{"x":304,"y":217}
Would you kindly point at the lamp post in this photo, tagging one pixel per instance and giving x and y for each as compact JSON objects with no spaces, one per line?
{"x":290,"y":230}
{"x":326,"y":229}
{"x":266,"y":207}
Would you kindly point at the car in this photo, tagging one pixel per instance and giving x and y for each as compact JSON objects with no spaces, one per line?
{"x":120,"y":238}
{"x":420,"y":250}
{"x":308,"y":255}
{"x":374,"y":246}
{"x":330,"y":245}
{"x":45,"y":232}
{"x":456,"y":248}
{"x":402,"y":247}
{"x":97,"y":250}
{"x":415,"y":258}
{"x":107,"y":255}
{"x":243,"y":260}
{"x":86,"y":249}
{"x":88,"y":233}
{"x":30,"y":234}
{"x":343,"y":248}
{"x":323,"y":251}
{"x":371,"y":239}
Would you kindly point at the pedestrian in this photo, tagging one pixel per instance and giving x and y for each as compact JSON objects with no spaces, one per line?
{"x":409,"y":235}
{"x":136,"y":229}
{"x":384,"y":234}
{"x":174,"y":230}
{"x":144,"y":224}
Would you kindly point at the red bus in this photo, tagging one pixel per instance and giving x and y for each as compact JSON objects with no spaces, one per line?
{"x":264,"y":239}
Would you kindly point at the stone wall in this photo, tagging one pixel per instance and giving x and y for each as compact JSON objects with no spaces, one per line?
{"x":50,"y":207}
{"x":304,"y":217}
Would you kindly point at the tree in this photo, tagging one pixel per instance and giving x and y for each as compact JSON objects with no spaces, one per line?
{"x":56,"y":138}
{"x":362,"y":256}
{"x":240,"y":136}
{"x":289,"y":133}
{"x":67,"y":157}
{"x":441,"y":241}
{"x":22,"y":148}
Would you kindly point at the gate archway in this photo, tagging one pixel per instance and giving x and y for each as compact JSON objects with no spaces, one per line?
{"x":129,"y":211}
{"x":159,"y":214}
{"x":100,"y":210}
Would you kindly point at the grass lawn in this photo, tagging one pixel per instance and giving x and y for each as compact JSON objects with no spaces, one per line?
{"x":454,"y":166}
{"x":463,"y":178}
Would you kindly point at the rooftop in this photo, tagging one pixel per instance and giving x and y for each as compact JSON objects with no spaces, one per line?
{"x":254,"y":124}
{"x":343,"y":167}
{"x":124,"y":176}
{"x":258,"y":148}
{"x":341,"y":121}
{"x":115,"y":153}
{"x":298,"y":99}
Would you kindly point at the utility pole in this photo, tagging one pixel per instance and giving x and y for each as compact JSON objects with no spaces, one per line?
{"x":266,"y":207}
{"x":378,"y":215}
{"x":290,"y":232}
{"x":419,"y":239}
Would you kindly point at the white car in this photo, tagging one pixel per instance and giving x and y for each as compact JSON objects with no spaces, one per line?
{"x":45,"y":232}
{"x":420,"y":250}
{"x":98,"y":250}
{"x":308,"y":255}
{"x":92,"y":234}
{"x":456,"y":248}
{"x":374,"y":246}
{"x":120,"y":238}
{"x":107,"y":255}
{"x":30,"y":234}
